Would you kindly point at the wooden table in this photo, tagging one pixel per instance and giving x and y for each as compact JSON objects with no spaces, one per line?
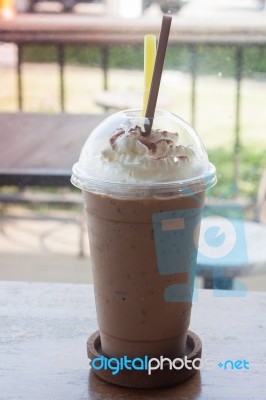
{"x":44,"y":328}
{"x":40,"y":149}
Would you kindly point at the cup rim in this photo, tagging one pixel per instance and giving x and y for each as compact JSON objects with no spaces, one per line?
{"x":185,"y":187}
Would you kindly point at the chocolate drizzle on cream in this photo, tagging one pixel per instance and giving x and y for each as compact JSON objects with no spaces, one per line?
{"x":159,"y":144}
{"x":116,"y":135}
{"x":128,"y":156}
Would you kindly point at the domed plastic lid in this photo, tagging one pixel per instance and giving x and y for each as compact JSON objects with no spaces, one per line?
{"x":119,"y":158}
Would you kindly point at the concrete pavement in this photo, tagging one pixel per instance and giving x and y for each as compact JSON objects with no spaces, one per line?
{"x":43,"y":247}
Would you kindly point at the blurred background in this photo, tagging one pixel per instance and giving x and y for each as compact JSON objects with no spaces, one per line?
{"x":214,"y":78}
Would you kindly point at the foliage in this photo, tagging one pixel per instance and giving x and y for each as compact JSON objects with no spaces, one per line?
{"x":215,"y":60}
{"x":252,"y":163}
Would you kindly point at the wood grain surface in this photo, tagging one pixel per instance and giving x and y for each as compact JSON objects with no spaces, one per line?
{"x":44,"y":329}
{"x":43,"y":140}
{"x":42,"y":148}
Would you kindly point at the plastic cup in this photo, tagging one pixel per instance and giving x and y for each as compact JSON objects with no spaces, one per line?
{"x":143,"y":233}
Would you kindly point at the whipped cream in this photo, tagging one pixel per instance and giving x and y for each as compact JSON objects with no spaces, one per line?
{"x":120,"y":159}
{"x":132,"y":157}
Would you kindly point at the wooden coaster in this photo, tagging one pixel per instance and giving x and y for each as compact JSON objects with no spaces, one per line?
{"x":140,"y":378}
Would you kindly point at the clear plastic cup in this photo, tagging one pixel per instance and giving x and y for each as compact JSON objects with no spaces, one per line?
{"x":143,"y":221}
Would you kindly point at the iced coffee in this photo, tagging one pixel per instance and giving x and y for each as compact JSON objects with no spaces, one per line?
{"x":143,"y":196}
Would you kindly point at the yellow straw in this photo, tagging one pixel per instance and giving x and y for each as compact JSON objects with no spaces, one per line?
{"x":149,"y":59}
